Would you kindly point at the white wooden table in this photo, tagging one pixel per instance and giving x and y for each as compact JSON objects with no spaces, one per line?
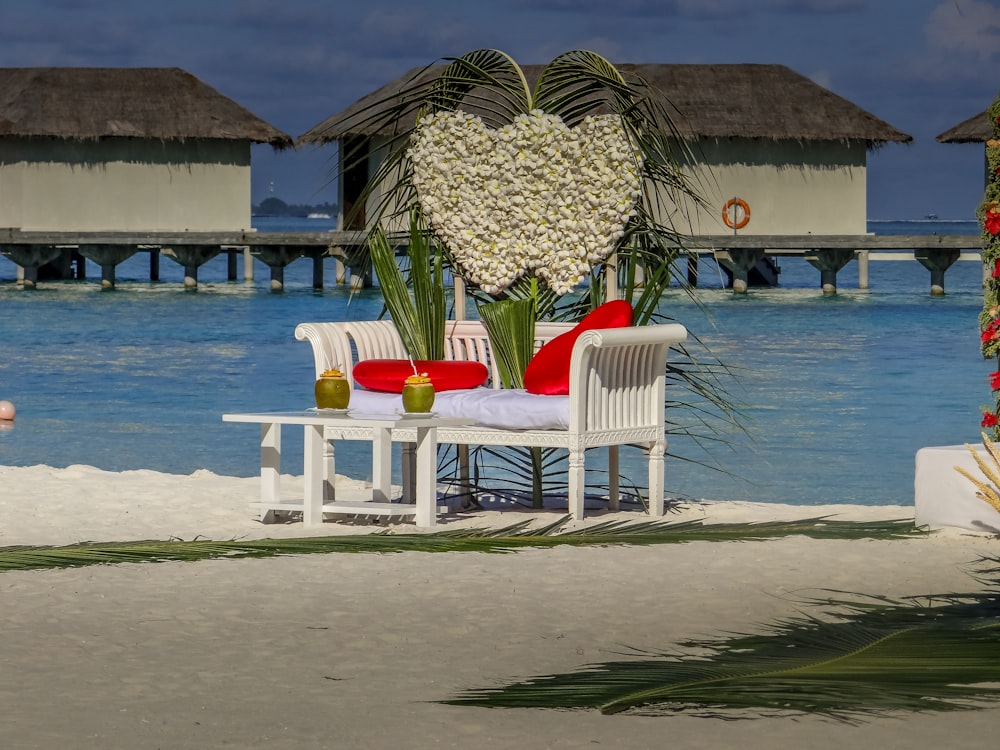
{"x":376,"y":428}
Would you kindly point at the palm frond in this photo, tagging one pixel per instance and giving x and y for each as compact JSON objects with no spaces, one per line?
{"x":500,"y":540}
{"x":510,"y":325}
{"x":488,"y":69}
{"x":427,"y":281}
{"x":877,"y":657}
{"x":419,"y":317}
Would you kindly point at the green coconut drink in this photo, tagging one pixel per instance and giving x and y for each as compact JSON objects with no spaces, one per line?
{"x":332,"y":390}
{"x":418,"y":394}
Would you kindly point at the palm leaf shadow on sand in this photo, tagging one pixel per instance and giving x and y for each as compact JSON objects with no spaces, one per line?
{"x":501,"y":540}
{"x":856,"y":658}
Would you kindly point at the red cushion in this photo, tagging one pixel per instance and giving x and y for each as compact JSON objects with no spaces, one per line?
{"x":388,"y":375}
{"x":548,"y":371}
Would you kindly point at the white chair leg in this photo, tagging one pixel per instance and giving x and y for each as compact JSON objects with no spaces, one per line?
{"x":464,"y":484}
{"x":577,"y":482}
{"x":656,"y":504}
{"x":614,"y":491}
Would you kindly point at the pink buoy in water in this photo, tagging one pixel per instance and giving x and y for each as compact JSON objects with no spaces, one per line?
{"x":7,"y":411}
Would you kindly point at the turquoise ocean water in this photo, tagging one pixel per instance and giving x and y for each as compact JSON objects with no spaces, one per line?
{"x":840,"y":391}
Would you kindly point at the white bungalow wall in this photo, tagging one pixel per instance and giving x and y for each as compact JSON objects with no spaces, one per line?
{"x":791,"y":187}
{"x":124,"y":184}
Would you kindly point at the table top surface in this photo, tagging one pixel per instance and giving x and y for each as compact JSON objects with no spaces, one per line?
{"x":347,"y":418}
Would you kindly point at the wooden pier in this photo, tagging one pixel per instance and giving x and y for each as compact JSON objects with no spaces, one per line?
{"x":738,"y":255}
{"x":32,"y":250}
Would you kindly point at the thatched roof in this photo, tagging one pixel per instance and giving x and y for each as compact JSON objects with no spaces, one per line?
{"x":714,"y":101}
{"x":977,"y":129}
{"x":158,"y":103}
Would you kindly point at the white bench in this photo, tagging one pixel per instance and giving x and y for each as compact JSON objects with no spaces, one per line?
{"x":616,"y":391}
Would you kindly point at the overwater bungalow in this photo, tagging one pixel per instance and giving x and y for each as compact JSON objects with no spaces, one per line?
{"x":135,"y":150}
{"x":122,"y":149}
{"x":787,"y":156}
{"x":977,"y":129}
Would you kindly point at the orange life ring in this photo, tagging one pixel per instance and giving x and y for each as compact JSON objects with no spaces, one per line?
{"x":740,"y":205}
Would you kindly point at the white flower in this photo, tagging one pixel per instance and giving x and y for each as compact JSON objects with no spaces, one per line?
{"x":532,"y":196}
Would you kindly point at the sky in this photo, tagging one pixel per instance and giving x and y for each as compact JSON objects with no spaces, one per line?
{"x":923,"y":66}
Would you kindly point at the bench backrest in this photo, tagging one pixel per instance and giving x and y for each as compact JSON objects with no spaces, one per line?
{"x":343,"y":344}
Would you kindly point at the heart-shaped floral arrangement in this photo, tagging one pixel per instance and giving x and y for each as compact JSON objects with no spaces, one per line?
{"x":534,"y":196}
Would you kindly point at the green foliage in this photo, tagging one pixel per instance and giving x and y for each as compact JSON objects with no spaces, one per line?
{"x":506,"y":539}
{"x":419,"y":317}
{"x":988,"y":215}
{"x":510,"y":324}
{"x":866,"y":657}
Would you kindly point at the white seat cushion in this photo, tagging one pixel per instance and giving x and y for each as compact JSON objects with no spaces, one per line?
{"x":507,"y":409}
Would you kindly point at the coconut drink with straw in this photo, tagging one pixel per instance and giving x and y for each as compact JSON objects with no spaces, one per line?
{"x":418,"y":392}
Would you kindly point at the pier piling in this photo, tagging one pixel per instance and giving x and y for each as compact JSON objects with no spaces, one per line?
{"x":154,"y":264}
{"x":191,"y":257}
{"x":31,"y":257}
{"x":937,"y":261}
{"x":276,"y":257}
{"x":739,"y":261}
{"x":107,"y":257}
{"x":317,"y":260}
{"x":829,"y":263}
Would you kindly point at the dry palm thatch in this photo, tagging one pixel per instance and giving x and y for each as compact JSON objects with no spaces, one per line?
{"x":769,"y":102}
{"x":977,"y":129}
{"x":91,"y":103}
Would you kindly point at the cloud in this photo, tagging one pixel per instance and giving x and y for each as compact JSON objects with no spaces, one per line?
{"x":693,"y":9}
{"x":969,"y":28}
{"x":818,"y":6}
{"x":822,"y":78}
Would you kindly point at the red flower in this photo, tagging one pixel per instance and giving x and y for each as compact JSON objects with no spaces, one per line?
{"x":992,"y":222}
{"x":991,"y":332}
{"x":995,"y":380}
{"x":996,"y":269}
{"x":989,"y":419}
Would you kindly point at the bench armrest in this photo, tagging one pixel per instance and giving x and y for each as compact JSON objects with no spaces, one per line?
{"x":342,"y":344}
{"x":617,"y":377}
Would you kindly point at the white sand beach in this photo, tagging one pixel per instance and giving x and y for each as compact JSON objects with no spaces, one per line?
{"x":354,"y":650}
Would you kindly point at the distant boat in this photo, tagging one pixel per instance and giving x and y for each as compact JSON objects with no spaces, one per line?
{"x":931,"y":217}
{"x":318,"y":216}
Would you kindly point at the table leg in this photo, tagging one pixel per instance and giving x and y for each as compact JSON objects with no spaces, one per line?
{"x":329,"y":471}
{"x":409,"y":470}
{"x":312,"y":466}
{"x":426,"y":476}
{"x":381,"y":464}
{"x":270,"y":470}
